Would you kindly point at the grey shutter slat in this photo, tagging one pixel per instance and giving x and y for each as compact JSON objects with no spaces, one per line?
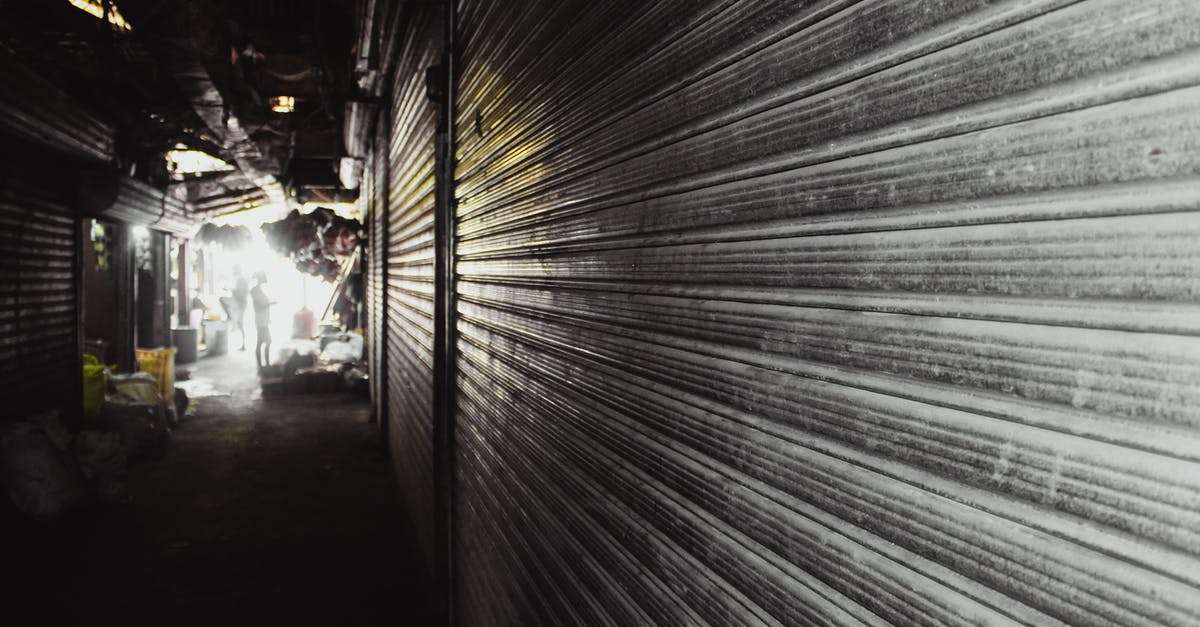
{"x":373,"y":206}
{"x":34,"y":109}
{"x":409,"y":258}
{"x":800,"y":313}
{"x":142,"y":204}
{"x":39,"y":313}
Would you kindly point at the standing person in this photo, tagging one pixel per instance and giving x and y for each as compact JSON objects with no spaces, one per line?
{"x":262,"y":321}
{"x":241,"y":297}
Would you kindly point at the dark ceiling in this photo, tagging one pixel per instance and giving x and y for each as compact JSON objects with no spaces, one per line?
{"x":204,"y":74}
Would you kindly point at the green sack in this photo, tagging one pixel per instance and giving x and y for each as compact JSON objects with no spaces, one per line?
{"x":94,"y":381}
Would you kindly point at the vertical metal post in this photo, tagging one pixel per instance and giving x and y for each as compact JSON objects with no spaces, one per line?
{"x":445,"y":338}
{"x":163,"y":266}
{"x":74,"y":417}
{"x":125,"y":275}
{"x":183,"y":304}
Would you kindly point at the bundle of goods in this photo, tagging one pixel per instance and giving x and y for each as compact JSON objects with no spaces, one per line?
{"x":314,"y":241}
{"x":227,"y":236}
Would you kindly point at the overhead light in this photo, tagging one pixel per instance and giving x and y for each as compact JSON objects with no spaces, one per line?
{"x":95,"y":8}
{"x":181,"y":162}
{"x":283,"y":104}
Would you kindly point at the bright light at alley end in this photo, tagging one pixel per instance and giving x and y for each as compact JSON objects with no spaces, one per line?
{"x":283,"y":104}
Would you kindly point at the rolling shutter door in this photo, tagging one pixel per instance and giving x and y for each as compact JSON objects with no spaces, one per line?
{"x":824,"y":312}
{"x":39,"y":313}
{"x":142,"y":204}
{"x":33,"y":109}
{"x":372,"y":209}
{"x":410,"y":271}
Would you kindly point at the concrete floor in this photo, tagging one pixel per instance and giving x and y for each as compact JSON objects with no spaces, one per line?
{"x":279,"y":510}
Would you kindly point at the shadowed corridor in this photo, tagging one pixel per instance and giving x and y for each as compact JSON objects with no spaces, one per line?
{"x":279,"y":510}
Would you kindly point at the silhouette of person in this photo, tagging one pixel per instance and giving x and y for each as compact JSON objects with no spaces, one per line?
{"x":241,"y":297}
{"x":262,"y":321}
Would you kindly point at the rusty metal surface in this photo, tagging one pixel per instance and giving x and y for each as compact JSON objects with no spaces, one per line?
{"x":408,"y":250}
{"x":826,"y":312}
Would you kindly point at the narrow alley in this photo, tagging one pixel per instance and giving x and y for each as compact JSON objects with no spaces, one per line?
{"x":271,"y":511}
{"x":496,"y":313}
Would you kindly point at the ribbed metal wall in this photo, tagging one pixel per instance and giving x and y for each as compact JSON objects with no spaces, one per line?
{"x":819,"y":312}
{"x":142,"y":204}
{"x":39,"y":315}
{"x":35,"y":110}
{"x":410,"y":202}
{"x":372,"y":206}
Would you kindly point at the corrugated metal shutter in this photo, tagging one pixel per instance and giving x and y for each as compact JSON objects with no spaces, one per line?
{"x":142,"y":204}
{"x":39,"y":313}
{"x":373,"y":211}
{"x":34,"y":109}
{"x":409,"y":316}
{"x":373,"y":125}
{"x":825,"y":312}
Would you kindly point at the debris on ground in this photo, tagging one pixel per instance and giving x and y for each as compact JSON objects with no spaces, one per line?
{"x":102,"y":460}
{"x":38,"y":470}
{"x":141,"y":426}
{"x":341,"y":348}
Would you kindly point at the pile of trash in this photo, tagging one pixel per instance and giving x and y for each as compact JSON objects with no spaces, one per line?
{"x":331,"y":364}
{"x":47,"y":470}
{"x":315,"y":241}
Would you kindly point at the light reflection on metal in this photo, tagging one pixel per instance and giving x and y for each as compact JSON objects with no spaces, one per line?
{"x":95,"y":8}
{"x":718,"y":309}
{"x":283,"y":104}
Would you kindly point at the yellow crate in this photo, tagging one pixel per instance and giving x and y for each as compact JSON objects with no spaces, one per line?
{"x":160,"y":362}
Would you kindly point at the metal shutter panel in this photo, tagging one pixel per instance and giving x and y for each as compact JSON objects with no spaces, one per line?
{"x":372,"y":211}
{"x":39,"y":310}
{"x":779,"y":312}
{"x":143,"y":204}
{"x":409,"y":270}
{"x":34,"y":109}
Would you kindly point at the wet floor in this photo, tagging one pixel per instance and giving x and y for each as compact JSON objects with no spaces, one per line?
{"x":281,"y":510}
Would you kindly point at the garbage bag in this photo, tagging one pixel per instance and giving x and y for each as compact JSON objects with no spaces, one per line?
{"x":142,"y":427}
{"x":52,"y":425}
{"x":347,"y":347}
{"x":139,"y":386}
{"x":41,"y":480}
{"x":181,"y":404}
{"x":102,"y":461}
{"x":99,"y":453}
